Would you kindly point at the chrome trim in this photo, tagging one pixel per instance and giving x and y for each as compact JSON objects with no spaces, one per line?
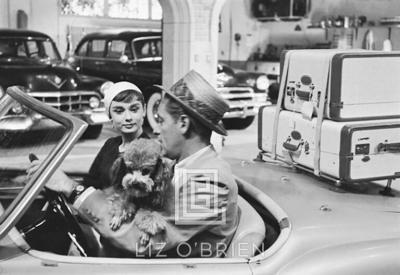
{"x":60,"y":94}
{"x":246,"y":96}
{"x":68,"y":101}
{"x":228,"y":89}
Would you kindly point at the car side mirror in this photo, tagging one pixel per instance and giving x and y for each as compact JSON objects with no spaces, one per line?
{"x":124,"y":59}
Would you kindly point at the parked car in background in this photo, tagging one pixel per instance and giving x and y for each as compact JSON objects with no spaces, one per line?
{"x":31,"y":60}
{"x":290,"y":222}
{"x":136,"y":56}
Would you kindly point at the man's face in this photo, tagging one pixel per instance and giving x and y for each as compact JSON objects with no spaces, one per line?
{"x":171,"y":137}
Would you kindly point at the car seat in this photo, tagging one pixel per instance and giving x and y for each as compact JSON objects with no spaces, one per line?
{"x":250,"y":232}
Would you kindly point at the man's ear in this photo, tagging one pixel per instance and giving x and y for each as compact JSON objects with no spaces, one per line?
{"x":118,"y":171}
{"x":184,"y":124}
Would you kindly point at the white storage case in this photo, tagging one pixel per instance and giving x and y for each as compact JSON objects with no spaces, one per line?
{"x":349,"y":151}
{"x":360,"y":84}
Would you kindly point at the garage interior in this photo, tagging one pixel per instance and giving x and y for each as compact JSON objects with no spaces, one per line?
{"x":199,"y":33}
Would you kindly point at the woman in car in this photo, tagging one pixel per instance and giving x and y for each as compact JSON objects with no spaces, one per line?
{"x":124,"y":104}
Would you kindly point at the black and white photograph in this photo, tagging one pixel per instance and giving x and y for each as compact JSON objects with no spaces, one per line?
{"x":250,"y":137}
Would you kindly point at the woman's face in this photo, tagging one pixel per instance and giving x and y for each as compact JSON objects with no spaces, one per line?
{"x":127,"y":117}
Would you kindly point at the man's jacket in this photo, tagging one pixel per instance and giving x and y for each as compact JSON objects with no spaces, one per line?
{"x":200,"y":218}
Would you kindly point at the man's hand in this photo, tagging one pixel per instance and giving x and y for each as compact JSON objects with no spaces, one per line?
{"x":59,"y":181}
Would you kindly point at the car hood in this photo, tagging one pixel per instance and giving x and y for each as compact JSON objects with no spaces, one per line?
{"x":39,"y":76}
{"x":317,"y":208}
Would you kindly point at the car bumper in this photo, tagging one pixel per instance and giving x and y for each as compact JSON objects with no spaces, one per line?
{"x":241,"y":101}
{"x":260,"y":99}
{"x":240,"y":111}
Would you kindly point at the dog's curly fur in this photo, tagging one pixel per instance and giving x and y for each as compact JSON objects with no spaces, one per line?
{"x":140,"y":180}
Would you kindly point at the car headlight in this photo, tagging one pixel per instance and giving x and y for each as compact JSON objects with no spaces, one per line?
{"x":105,"y":86}
{"x":94,"y":102}
{"x":2,"y":92}
{"x":262,"y":82}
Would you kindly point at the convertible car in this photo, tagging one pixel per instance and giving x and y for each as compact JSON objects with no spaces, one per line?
{"x":290,"y":223}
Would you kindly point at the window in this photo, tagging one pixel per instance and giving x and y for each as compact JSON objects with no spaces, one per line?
{"x":273,"y":9}
{"x":82,"y":7}
{"x":147,"y":48}
{"x":132,"y":9}
{"x":33,"y":48}
{"x":156,"y":10}
{"x":21,"y":50}
{"x":49,"y":50}
{"x":117,"y":48}
{"x":96,"y":49}
{"x":128,"y":9}
{"x":82,"y":49}
{"x":37,"y":49}
{"x":9,"y":48}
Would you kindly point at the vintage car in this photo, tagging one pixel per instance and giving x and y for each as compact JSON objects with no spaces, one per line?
{"x":30,"y":59}
{"x":290,"y":222}
{"x":136,"y":56}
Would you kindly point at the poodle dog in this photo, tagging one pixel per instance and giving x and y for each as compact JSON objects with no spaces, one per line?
{"x":141,"y":182}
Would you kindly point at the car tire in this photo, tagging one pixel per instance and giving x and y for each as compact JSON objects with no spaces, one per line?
{"x":238,"y":123}
{"x":92,"y":132}
{"x":151,"y":111}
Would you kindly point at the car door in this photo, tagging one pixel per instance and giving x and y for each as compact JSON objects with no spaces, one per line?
{"x":95,"y":63}
{"x":148,"y":60}
{"x":17,"y":256}
{"x":78,"y":62}
{"x":118,"y":59}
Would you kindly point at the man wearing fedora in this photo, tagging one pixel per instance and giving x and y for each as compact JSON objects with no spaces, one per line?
{"x":202,"y":215}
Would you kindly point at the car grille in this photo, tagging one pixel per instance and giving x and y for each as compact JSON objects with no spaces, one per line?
{"x":67,"y":101}
{"x":237,"y":97}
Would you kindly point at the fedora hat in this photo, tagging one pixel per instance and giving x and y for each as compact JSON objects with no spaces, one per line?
{"x":199,"y":100}
{"x":116,"y":89}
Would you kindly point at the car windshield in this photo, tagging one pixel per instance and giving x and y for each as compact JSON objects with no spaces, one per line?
{"x":145,"y":48}
{"x":38,"y":49}
{"x":24,"y":135}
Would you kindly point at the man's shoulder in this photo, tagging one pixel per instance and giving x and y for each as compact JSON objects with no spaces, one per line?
{"x":212,"y":159}
{"x":211,"y":162}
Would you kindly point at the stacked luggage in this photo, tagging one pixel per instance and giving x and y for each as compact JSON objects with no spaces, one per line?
{"x":338,"y":114}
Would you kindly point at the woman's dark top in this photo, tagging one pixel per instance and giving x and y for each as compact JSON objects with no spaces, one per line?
{"x":99,"y":172}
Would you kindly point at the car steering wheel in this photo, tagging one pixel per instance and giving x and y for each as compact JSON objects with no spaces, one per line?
{"x":58,"y":205}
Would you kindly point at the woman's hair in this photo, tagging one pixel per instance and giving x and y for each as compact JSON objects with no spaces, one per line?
{"x":175,"y":110}
{"x":129,"y":95}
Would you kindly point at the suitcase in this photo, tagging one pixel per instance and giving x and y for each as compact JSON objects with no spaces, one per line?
{"x":359,"y":84}
{"x":349,"y":151}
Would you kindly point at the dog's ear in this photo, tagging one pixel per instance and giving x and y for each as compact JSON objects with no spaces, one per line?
{"x":118,"y":171}
{"x":162,"y":180}
{"x":163,"y":171}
